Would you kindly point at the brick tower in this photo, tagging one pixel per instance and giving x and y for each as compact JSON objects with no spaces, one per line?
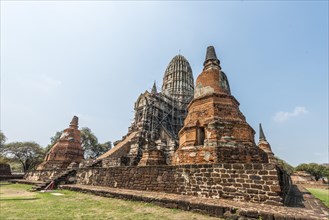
{"x":215,"y":130}
{"x":66,"y":150}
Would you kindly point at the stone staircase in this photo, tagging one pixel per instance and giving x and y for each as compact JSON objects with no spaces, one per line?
{"x":118,"y":146}
{"x":55,"y":179}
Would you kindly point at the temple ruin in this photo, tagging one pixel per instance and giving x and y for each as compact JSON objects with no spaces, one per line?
{"x":183,"y":140}
{"x":215,"y":131}
{"x":153,"y":136}
{"x":67,"y":151}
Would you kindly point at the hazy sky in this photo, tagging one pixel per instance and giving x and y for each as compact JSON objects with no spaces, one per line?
{"x":93,"y":59}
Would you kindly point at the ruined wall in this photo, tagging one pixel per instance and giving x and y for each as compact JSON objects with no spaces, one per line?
{"x":219,"y":154}
{"x":42,"y":175}
{"x":244,"y":182}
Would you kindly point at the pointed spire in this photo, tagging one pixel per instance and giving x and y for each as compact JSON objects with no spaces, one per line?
{"x":261,"y":133}
{"x":211,"y":53}
{"x":211,"y":57}
{"x":154,"y":89}
{"x":75,"y":122}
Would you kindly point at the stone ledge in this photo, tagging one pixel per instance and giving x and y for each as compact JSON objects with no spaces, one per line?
{"x":213,"y":207}
{"x":12,"y":176}
{"x":24,"y":181}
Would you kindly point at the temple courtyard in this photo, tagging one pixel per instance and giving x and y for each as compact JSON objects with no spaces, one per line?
{"x":86,"y":202}
{"x":18,"y":203}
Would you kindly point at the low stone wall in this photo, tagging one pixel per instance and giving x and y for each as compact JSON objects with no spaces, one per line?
{"x":9,"y":177}
{"x":241,"y":182}
{"x":42,"y":175}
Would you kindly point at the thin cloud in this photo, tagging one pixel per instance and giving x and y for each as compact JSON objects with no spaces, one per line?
{"x":284,"y":116}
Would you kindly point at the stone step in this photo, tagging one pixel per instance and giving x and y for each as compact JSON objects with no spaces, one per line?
{"x":56,"y":179}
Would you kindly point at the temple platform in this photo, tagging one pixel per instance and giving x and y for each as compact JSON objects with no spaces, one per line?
{"x":301,"y":204}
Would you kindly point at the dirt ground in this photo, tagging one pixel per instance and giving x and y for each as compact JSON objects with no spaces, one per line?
{"x":10,"y":192}
{"x":320,"y":186}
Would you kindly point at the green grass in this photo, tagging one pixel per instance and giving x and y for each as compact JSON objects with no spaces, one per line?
{"x":322,"y":194}
{"x":16,"y":202}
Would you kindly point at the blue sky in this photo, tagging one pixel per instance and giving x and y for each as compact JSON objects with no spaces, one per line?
{"x":93,"y":59}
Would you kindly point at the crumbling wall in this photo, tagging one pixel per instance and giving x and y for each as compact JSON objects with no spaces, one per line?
{"x":241,"y":182}
{"x":42,"y":175}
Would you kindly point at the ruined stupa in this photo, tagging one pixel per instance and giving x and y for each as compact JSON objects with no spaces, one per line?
{"x":215,"y":131}
{"x":66,"y":151}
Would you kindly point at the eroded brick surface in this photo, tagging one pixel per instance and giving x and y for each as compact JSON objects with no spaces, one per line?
{"x":66,"y":151}
{"x":215,"y":130}
{"x":239,"y":182}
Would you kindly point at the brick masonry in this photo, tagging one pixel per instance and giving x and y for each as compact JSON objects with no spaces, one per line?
{"x":42,"y":175}
{"x":257,"y":182}
{"x":67,"y":149}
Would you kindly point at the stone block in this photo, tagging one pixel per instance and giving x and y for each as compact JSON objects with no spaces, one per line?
{"x":238,"y":166}
{"x":266,"y":216}
{"x":270,"y":178}
{"x":255,"y":177}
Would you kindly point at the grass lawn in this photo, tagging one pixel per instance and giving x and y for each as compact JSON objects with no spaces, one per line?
{"x":16,"y":202}
{"x":322,"y":194}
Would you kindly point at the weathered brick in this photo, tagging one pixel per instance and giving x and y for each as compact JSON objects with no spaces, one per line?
{"x":255,"y":177}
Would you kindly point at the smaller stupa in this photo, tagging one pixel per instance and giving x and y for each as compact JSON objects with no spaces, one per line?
{"x":66,"y":151}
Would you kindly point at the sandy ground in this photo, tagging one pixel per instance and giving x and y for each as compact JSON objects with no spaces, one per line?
{"x":5,"y":192}
{"x":319,"y":186}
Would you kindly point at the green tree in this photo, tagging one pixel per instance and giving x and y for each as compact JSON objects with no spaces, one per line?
{"x":53,"y":140}
{"x":286,"y":166}
{"x":3,"y":138}
{"x":89,"y":143}
{"x":316,"y":170}
{"x":3,"y":158}
{"x":28,"y":154}
{"x":102,"y":148}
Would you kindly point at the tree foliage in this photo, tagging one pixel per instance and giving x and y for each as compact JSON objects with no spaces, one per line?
{"x":28,"y":154}
{"x":89,"y":143}
{"x":316,"y":170}
{"x":3,"y":138}
{"x":286,"y":166}
{"x":53,"y":140}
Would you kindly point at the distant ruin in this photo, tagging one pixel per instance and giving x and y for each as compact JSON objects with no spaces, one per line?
{"x":67,"y":151}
